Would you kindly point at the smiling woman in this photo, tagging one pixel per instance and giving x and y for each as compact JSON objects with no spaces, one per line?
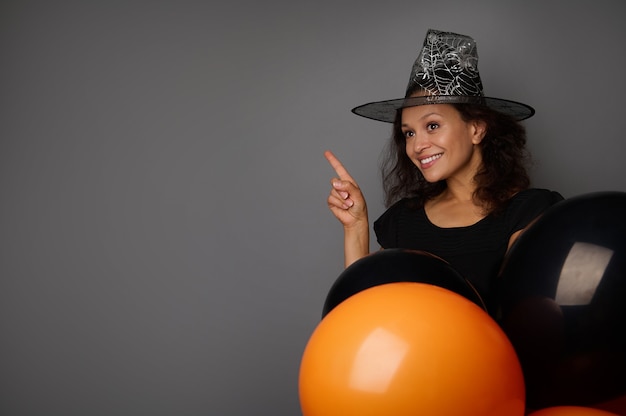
{"x":454,"y":175}
{"x":440,"y":143}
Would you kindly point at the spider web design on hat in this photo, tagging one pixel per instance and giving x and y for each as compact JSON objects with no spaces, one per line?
{"x":445,"y":72}
{"x":447,"y":65}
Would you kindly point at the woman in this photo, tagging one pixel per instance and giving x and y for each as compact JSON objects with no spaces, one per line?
{"x":454,"y":179}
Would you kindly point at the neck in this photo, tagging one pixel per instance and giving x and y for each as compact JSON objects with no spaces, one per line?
{"x":460,"y":189}
{"x":461,"y":186}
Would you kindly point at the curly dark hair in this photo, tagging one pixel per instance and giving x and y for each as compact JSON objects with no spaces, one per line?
{"x":502,"y":173}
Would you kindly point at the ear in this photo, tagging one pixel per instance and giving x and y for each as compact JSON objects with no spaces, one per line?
{"x":478,"y":130}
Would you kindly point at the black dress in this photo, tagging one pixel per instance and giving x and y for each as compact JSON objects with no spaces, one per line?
{"x":475,"y":251}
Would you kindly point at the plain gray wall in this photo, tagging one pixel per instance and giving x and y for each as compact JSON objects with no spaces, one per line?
{"x":165,"y":245}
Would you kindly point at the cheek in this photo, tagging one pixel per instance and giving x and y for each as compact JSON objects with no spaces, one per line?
{"x":406,"y":148}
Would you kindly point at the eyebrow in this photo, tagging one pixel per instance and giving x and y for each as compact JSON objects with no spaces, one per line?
{"x":423,"y":117}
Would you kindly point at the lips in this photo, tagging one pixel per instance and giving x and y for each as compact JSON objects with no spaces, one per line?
{"x":430,"y":159}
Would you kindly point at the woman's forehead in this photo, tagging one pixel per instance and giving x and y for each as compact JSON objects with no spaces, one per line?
{"x":423,"y":111}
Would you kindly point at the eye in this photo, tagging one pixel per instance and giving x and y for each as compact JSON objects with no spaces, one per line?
{"x":432,"y":126}
{"x":408,"y":134}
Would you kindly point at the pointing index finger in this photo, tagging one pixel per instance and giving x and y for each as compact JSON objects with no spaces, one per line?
{"x":336,"y":164}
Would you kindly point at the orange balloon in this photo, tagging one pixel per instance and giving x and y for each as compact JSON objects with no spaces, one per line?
{"x":571,"y":411}
{"x":409,"y":349}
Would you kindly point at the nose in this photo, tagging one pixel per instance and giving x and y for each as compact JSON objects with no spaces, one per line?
{"x":418,"y":144}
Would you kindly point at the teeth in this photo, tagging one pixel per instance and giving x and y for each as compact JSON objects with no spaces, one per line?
{"x":430,"y":159}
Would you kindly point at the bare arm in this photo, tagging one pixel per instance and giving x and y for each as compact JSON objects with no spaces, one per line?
{"x":347,"y":203}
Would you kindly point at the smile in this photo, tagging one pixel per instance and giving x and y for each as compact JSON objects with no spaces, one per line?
{"x":430,"y":159}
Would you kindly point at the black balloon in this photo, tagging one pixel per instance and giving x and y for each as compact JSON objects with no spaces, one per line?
{"x":562,"y":301}
{"x":398,"y":265}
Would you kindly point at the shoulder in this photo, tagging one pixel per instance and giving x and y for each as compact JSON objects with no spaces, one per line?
{"x":528,"y":204}
{"x":399,"y":207}
{"x":395,"y":212}
{"x":535,"y":197}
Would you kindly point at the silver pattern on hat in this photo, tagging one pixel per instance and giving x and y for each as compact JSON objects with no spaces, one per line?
{"x":445,"y":72}
{"x":447,"y":65}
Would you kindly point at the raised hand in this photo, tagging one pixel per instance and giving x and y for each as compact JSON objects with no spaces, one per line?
{"x":346,"y":200}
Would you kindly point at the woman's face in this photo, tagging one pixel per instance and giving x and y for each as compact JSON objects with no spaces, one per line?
{"x":440,"y":143}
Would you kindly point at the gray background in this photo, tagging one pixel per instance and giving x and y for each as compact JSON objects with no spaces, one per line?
{"x":165,"y":245}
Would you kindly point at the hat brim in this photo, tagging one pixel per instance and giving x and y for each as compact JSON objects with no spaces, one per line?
{"x":386,"y":110}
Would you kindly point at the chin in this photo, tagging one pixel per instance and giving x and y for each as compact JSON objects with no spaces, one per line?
{"x":432,"y":179}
